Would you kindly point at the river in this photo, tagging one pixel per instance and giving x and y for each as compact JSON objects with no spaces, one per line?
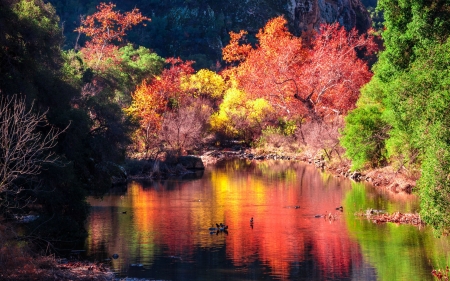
{"x":161,"y":230}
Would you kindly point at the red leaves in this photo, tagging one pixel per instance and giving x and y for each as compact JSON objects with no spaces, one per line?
{"x":334,"y":74}
{"x":324,"y":78}
{"x":265,"y":72}
{"x":152,"y":99}
{"x":235,"y":52}
{"x":107,"y":25}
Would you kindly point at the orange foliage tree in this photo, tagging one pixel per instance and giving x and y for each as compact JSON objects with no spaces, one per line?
{"x":106,"y":27}
{"x":297,"y":80}
{"x":262,"y":70}
{"x":160,"y":95}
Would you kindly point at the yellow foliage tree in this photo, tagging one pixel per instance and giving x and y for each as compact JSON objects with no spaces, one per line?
{"x":205,"y":83}
{"x":240,"y":117}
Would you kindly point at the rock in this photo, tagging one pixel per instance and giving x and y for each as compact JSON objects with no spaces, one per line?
{"x":356,"y":176}
{"x":191,"y":162}
{"x":308,"y":15}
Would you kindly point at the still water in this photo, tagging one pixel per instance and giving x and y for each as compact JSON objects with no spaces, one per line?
{"x":160,"y":230}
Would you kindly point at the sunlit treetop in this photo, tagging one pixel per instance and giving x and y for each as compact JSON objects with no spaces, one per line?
{"x":262,"y":70}
{"x":107,"y":25}
{"x":205,"y":82}
{"x":235,"y":51}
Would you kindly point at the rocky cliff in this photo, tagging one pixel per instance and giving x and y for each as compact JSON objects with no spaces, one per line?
{"x":309,"y":14}
{"x":198,"y":29}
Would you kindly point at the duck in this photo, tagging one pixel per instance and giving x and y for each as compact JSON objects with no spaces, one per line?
{"x":340,"y":208}
{"x":251,"y":220}
{"x":223,"y":227}
{"x":220,"y":227}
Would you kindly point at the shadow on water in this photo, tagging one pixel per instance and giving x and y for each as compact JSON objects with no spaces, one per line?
{"x":162,"y":230}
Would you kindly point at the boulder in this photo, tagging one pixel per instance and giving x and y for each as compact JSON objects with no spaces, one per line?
{"x":191,"y":162}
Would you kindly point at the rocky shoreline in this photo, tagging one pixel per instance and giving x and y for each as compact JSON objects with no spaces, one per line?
{"x":383,"y":178}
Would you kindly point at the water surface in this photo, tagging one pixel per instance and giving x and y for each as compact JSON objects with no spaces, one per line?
{"x":160,"y":230}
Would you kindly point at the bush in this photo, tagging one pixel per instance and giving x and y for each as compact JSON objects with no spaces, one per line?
{"x":364,"y":136}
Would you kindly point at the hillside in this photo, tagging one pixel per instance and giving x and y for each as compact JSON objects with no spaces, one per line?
{"x":199,"y":29}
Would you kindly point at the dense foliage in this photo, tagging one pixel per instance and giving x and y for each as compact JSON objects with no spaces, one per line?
{"x":71,"y":98}
{"x":409,"y":96}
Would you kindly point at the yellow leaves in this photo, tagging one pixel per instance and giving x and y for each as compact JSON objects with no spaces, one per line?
{"x":205,"y":82}
{"x":148,"y":105}
{"x":258,"y":108}
{"x":237,"y":113}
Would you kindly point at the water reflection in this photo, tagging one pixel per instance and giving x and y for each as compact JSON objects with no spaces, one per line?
{"x":160,"y":230}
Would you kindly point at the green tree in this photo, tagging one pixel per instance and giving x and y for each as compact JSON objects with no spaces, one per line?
{"x":410,"y":88}
{"x":364,"y":137}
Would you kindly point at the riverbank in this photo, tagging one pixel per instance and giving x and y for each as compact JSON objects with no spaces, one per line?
{"x":387,"y":178}
{"x":24,"y":266}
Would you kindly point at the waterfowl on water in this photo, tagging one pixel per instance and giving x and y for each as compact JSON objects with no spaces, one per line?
{"x":251,"y":220}
{"x":340,"y":208}
{"x":220,"y":227}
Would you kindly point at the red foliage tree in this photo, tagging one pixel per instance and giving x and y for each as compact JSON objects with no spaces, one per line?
{"x":300,"y":80}
{"x":262,"y":70}
{"x":106,"y":27}
{"x":333,"y":75}
{"x":163,"y":94}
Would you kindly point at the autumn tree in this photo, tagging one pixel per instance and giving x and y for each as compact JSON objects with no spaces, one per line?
{"x":333,"y":74}
{"x":112,"y":69}
{"x":266,"y":71}
{"x":205,"y":83}
{"x":283,"y":71}
{"x":241,"y":117}
{"x":301,"y":81}
{"x":105,"y":27}
{"x":160,"y":95}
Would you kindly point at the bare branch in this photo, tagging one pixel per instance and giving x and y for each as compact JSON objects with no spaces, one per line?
{"x":23,"y":148}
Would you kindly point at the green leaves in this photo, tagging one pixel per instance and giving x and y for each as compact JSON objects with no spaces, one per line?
{"x":364,"y":136}
{"x":411,"y":90}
